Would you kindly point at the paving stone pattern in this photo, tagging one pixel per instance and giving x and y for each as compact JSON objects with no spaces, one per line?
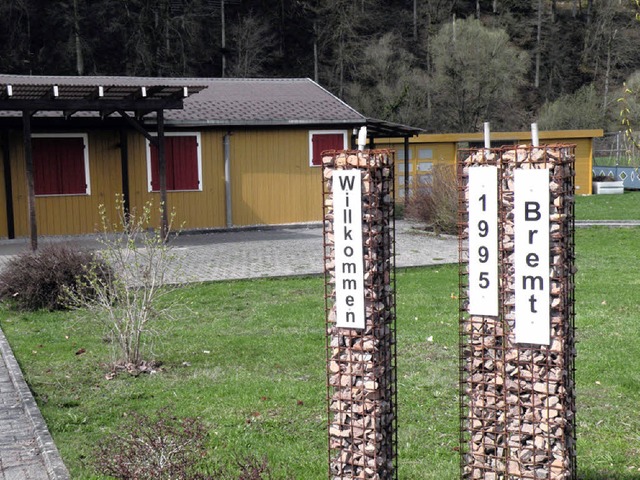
{"x":27,"y":451}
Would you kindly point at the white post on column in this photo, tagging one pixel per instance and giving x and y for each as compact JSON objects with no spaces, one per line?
{"x":535,"y":138}
{"x":487,"y":136}
{"x":362,"y":138}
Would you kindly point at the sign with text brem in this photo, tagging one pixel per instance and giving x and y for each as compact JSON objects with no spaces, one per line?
{"x":531,"y":244}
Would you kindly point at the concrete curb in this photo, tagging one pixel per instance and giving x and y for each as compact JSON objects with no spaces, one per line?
{"x":56,"y":469}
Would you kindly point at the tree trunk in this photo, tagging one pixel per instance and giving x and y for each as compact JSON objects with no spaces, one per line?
{"x":538,"y":45}
{"x":223,"y":41}
{"x":315,"y":51}
{"x":607,"y":74}
{"x":415,"y":20}
{"x":78,"y":45}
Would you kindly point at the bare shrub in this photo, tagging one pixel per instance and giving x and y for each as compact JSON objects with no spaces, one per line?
{"x":160,"y":447}
{"x":135,"y":298}
{"x":436,"y":204}
{"x":165,"y":447}
{"x":39,"y":280}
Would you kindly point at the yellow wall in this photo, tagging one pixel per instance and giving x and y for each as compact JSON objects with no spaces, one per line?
{"x":272,"y":181}
{"x":3,"y":208}
{"x":69,"y":214}
{"x":444,"y":148}
{"x":193,"y":209}
{"x":423,"y":157}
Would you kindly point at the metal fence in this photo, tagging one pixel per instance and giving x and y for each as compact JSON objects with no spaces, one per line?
{"x":517,"y":401}
{"x":615,"y":156}
{"x":361,"y":362}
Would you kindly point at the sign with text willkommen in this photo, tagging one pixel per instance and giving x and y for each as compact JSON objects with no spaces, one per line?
{"x":347,"y":193}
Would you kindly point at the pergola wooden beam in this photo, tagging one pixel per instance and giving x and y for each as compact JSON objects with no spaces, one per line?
{"x":72,"y":98}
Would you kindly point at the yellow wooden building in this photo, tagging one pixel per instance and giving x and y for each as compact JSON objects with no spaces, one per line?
{"x":238,"y":151}
{"x":429,"y":150}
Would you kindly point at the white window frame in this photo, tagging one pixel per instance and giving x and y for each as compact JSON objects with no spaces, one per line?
{"x":345,"y":138}
{"x":198,"y":155}
{"x":87,"y":176}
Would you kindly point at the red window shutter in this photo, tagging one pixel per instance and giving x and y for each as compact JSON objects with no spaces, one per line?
{"x":325,"y":141}
{"x":184,"y":163}
{"x":181,"y":154}
{"x":58,"y":166}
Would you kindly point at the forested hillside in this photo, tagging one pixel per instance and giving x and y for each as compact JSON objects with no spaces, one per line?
{"x":444,"y":65}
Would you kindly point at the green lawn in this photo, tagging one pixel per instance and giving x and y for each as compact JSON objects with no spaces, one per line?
{"x":609,"y":207}
{"x":248,"y":358}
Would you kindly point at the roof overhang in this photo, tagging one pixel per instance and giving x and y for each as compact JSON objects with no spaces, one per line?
{"x":69,"y":99}
{"x":382,"y":129}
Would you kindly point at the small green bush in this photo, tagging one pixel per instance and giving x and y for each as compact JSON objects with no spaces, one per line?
{"x":41,"y":279}
{"x":436,"y":204}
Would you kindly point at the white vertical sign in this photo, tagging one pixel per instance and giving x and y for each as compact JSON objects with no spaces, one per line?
{"x":347,"y":225}
{"x":483,"y":240}
{"x":532,"y":269}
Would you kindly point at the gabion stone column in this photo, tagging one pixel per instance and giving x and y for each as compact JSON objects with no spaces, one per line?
{"x":517,"y":406}
{"x":359,"y":238}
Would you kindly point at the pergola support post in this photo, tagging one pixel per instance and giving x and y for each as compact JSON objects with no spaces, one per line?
{"x":124,"y":167}
{"x":31,"y":193}
{"x":162,"y":173}
{"x":8,"y":187}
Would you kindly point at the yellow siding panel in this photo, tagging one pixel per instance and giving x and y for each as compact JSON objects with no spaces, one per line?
{"x":4,"y":232}
{"x":444,"y":152}
{"x":193,"y":210}
{"x":584,"y":161}
{"x":69,"y":214}
{"x":272,"y":182}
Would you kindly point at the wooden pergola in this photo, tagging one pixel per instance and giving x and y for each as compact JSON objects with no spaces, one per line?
{"x":131,"y":103}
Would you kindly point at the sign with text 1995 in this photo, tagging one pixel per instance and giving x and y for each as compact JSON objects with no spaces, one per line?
{"x":483,"y":240}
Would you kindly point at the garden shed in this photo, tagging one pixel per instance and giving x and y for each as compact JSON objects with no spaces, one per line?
{"x":429,"y":150}
{"x":238,"y":151}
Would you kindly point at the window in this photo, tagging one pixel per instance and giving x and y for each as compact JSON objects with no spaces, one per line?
{"x":60,"y":164}
{"x":425,"y":153}
{"x":184,"y":163}
{"x":400,"y":153}
{"x":322,"y":140}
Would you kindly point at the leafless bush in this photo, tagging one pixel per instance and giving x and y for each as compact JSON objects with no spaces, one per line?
{"x":136,"y":295}
{"x":163,"y":447}
{"x":38,"y":280}
{"x":435,"y":204}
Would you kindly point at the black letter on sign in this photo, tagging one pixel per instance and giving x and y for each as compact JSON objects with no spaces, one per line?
{"x":347,"y":182}
{"x":531,"y":211}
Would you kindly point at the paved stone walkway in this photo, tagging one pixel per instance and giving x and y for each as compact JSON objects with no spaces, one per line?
{"x":27,"y":451}
{"x":292,"y":251}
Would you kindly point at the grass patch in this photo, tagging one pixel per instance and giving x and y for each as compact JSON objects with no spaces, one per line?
{"x":249,"y":360}
{"x":609,"y":207}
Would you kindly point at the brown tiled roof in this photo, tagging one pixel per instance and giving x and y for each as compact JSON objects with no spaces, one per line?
{"x":225,"y":102}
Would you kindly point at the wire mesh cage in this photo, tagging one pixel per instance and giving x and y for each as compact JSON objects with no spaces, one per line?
{"x":517,"y":400}
{"x":361,"y":362}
